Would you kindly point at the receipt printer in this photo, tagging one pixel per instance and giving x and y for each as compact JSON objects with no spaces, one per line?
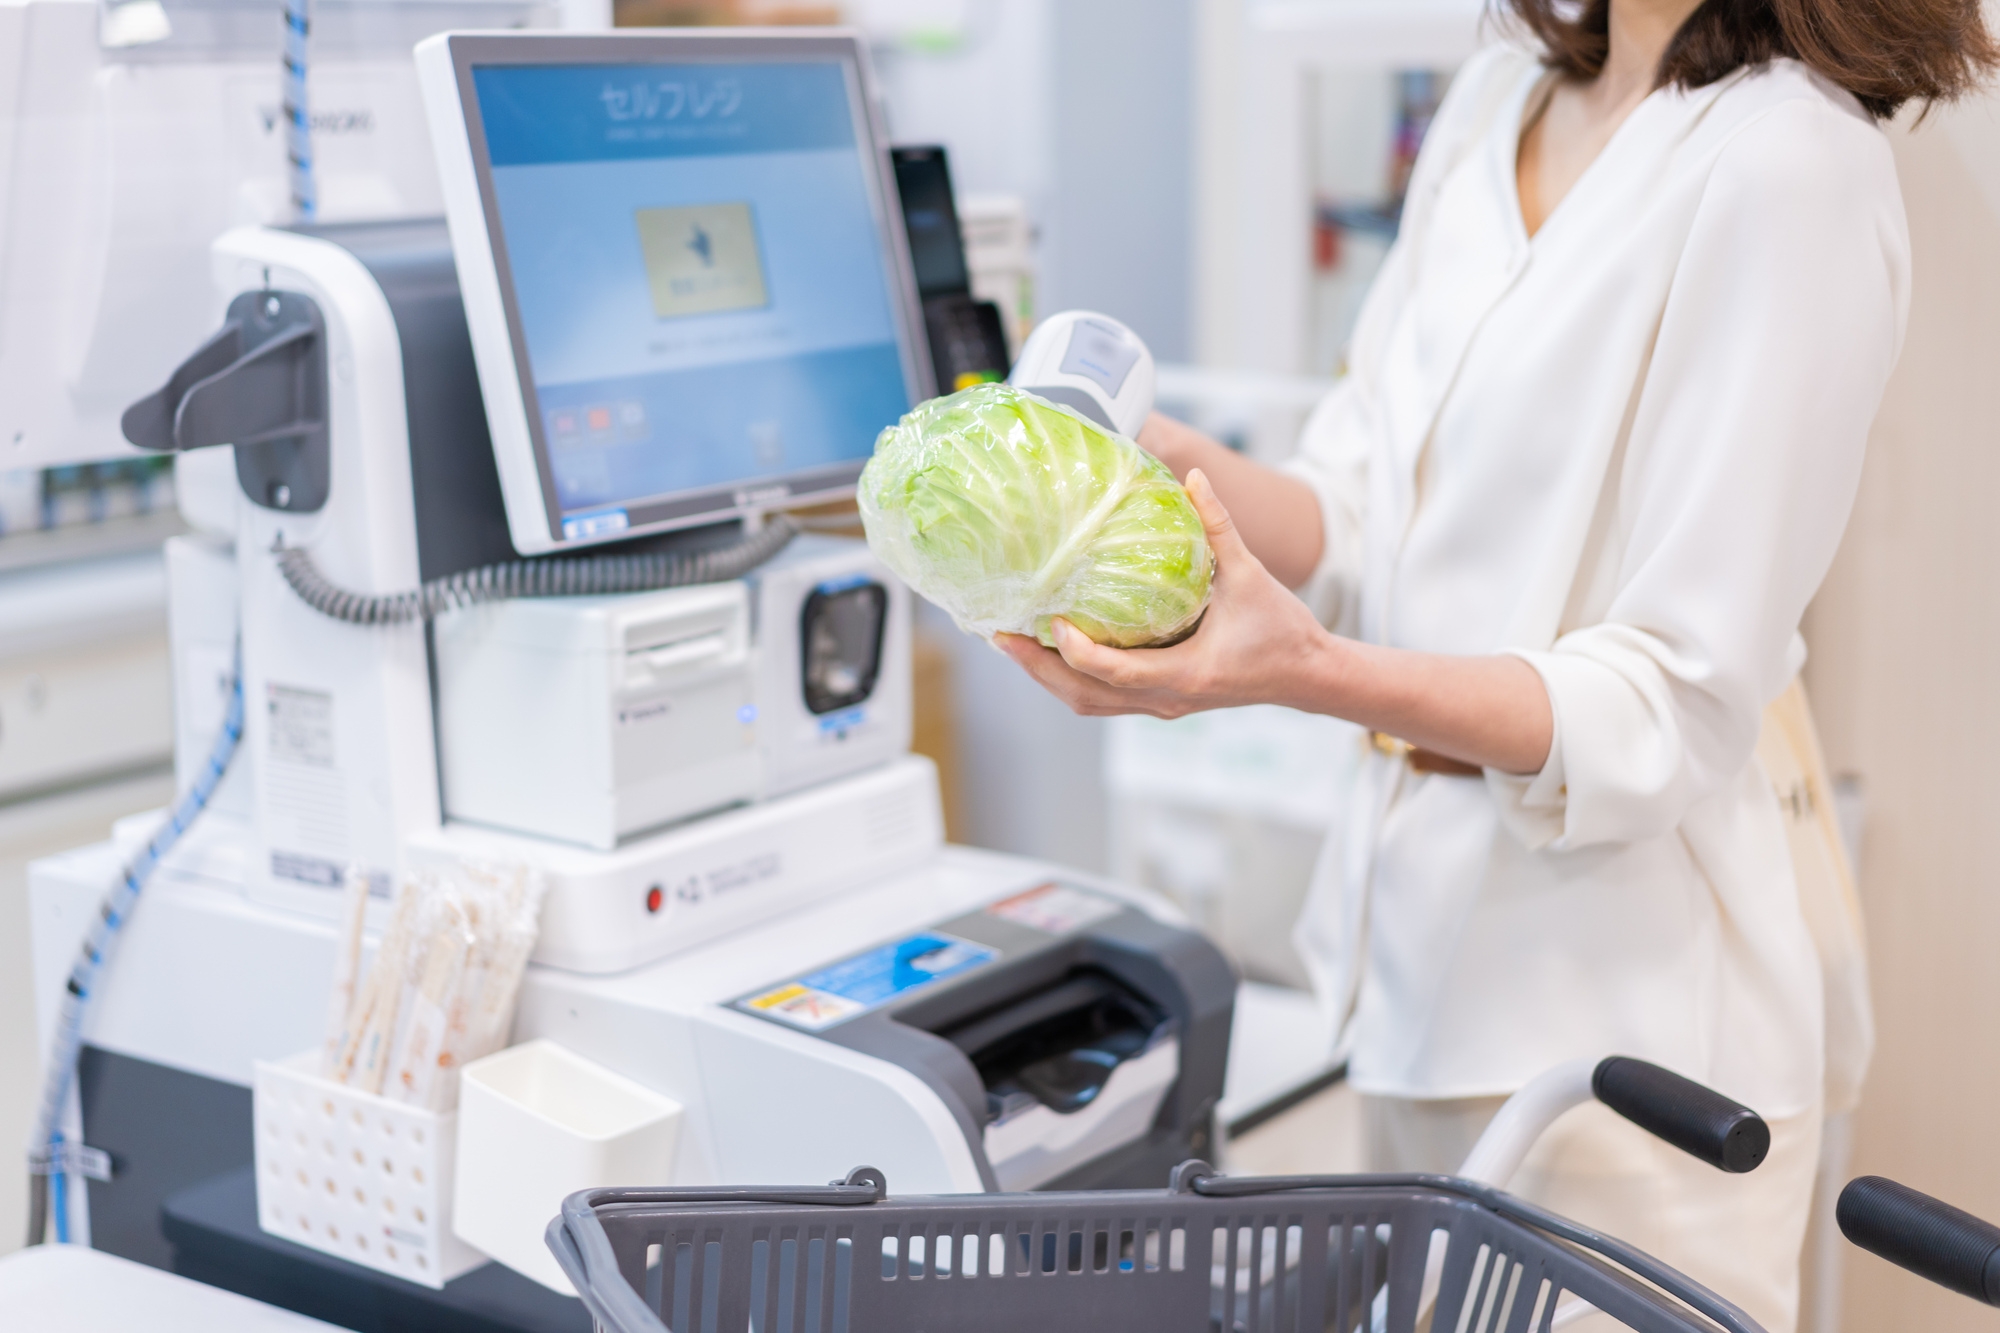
{"x":1027,"y":1035}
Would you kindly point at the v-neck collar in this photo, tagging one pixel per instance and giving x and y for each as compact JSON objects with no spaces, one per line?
{"x":1515,"y":127}
{"x":1508,"y":148}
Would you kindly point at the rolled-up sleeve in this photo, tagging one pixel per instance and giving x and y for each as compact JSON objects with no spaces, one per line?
{"x":1333,"y":461}
{"x":1740,"y":467}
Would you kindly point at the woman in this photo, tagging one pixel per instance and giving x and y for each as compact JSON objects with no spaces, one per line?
{"x":1602,"y":428}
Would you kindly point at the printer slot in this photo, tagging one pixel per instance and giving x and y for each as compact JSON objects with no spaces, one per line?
{"x":1071,"y":1071}
{"x":1058,"y":1045}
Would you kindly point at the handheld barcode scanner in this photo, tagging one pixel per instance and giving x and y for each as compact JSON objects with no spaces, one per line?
{"x":1091,"y":363}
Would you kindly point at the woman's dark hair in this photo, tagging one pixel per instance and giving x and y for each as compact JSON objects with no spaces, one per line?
{"x":1885,"y":52}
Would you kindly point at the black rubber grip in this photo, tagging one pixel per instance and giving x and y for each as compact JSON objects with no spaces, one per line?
{"x":1699,"y":1121}
{"x":1930,"y":1238}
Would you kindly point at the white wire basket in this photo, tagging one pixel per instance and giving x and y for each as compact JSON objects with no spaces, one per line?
{"x":355,"y":1175}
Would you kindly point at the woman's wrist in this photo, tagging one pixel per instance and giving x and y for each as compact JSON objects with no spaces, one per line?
{"x":1325,"y":676}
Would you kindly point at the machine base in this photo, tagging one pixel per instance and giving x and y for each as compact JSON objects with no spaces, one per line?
{"x":213,"y":1230}
{"x":184,"y":1199}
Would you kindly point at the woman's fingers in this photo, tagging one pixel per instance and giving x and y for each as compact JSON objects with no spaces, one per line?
{"x":1083,"y":693}
{"x":1223,"y":538}
{"x":1113,"y":666}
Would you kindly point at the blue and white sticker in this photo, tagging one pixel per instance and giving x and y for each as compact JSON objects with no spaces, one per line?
{"x":597,"y":523}
{"x":847,"y":719}
{"x":868,"y":980}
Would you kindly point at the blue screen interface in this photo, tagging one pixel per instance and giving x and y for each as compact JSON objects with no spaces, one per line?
{"x":697,"y":272}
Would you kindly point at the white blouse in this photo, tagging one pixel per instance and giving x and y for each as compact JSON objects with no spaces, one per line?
{"x":1623,"y":450}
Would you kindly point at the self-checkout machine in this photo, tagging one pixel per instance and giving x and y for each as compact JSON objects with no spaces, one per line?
{"x":674,"y":299}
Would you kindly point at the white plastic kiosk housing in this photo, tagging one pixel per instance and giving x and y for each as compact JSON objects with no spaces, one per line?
{"x":751,"y":909}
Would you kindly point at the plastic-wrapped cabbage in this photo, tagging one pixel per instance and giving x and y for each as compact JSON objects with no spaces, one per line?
{"x":1007,"y":511}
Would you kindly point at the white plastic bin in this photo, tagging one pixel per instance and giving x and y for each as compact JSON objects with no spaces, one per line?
{"x":356,"y":1175}
{"x":537,"y":1123}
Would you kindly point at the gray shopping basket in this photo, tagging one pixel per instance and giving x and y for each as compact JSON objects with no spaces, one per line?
{"x":1209,"y":1254}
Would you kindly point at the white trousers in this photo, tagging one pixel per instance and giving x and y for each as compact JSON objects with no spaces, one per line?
{"x":1739,"y":1236}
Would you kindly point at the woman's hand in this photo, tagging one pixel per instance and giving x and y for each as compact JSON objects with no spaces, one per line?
{"x":1257,"y":644}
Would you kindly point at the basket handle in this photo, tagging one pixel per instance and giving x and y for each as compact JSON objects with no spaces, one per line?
{"x":1927,"y":1236}
{"x":619,"y":1308}
{"x":1700,"y":1121}
{"x":1697,"y":1120}
{"x":864,"y":1184}
{"x":1194,"y":1177}
{"x":582,"y":1250}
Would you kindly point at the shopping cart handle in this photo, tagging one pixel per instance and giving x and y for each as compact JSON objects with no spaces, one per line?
{"x":1927,"y":1236}
{"x":1699,"y":1121}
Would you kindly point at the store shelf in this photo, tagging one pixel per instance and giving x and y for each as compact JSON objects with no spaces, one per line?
{"x":89,"y":541}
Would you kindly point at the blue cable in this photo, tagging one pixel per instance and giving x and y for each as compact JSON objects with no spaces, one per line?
{"x":112,"y":914}
{"x":298,"y":113}
{"x":60,"y":1190}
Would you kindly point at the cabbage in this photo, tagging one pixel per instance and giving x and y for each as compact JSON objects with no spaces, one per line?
{"x":1007,"y":511}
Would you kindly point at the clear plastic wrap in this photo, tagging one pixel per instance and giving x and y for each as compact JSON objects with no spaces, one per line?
{"x":1007,"y":511}
{"x":443,"y":985}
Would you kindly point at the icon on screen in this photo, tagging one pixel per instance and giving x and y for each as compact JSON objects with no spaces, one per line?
{"x":599,"y":420}
{"x":702,"y":259}
{"x":631,"y":421}
{"x":767,"y":442}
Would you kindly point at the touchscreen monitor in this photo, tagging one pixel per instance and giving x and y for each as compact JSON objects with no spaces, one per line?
{"x":684,"y":272}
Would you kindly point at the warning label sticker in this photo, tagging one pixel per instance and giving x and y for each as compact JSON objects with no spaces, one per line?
{"x":803,"y":1006}
{"x":1056,"y":909}
{"x":858,"y":984}
{"x":301,"y":729}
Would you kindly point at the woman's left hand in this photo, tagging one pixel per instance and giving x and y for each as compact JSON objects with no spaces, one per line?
{"x":1257,"y":644}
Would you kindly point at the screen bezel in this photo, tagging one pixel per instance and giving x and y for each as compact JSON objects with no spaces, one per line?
{"x":535,"y":521}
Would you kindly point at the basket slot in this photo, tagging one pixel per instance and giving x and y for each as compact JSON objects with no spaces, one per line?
{"x":681,"y":1298}
{"x":1357,"y":1270}
{"x":1544,"y":1310}
{"x":1259,"y":1279}
{"x":788,"y":1292}
{"x":1486,"y":1274}
{"x":759,"y":1297}
{"x":653,"y":1286}
{"x":1482,"y":1289}
{"x":739,"y":1279}
{"x":801,"y":1281}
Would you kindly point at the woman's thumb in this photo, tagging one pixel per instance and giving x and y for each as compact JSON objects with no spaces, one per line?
{"x":1223,"y":538}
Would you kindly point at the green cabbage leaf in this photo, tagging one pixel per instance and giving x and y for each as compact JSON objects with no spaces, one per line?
{"x":1007,"y":510}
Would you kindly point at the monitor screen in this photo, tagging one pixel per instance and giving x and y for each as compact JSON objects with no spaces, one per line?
{"x":698,"y":264}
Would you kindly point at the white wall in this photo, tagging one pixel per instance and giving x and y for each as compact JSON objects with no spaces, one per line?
{"x":1906,"y":655}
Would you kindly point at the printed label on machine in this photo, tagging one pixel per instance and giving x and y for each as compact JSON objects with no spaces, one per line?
{"x":1055,"y":909}
{"x":858,"y":984}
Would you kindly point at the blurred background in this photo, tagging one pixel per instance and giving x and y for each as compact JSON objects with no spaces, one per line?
{"x":1225,"y":176}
